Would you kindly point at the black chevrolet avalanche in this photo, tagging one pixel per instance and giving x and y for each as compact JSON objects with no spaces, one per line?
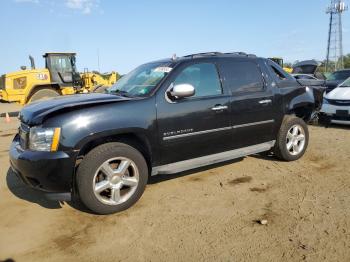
{"x":163,"y":117}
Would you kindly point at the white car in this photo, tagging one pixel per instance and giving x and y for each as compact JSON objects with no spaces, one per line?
{"x":336,"y":104}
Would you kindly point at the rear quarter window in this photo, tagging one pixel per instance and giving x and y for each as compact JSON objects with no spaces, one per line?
{"x":278,"y":73}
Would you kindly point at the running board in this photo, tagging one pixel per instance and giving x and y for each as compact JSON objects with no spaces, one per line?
{"x":211,"y":159}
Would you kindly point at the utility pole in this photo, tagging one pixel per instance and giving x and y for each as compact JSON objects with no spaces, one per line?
{"x":334,"y":59}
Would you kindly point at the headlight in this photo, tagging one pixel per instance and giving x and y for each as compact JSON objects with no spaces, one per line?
{"x":325,"y":101}
{"x":44,"y":139}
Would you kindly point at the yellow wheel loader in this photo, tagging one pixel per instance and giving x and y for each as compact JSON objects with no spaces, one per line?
{"x":279,"y":60}
{"x":59,"y":77}
{"x":97,"y":82}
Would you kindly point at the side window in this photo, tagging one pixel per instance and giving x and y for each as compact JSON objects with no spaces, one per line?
{"x":204,"y":78}
{"x":243,"y":76}
{"x":278,"y":73}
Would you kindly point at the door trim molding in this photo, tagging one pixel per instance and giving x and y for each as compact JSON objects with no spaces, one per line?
{"x":197,"y":133}
{"x":166,"y":138}
{"x":255,"y":123}
{"x":211,"y":159}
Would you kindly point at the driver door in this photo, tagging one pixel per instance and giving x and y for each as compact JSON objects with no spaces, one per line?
{"x":198,"y":125}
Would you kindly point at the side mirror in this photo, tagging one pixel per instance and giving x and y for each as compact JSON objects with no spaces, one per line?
{"x":182,"y":90}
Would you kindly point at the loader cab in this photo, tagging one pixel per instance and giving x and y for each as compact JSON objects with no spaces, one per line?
{"x":278,"y":61}
{"x":62,"y":69}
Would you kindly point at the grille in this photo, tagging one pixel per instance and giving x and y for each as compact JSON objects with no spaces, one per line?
{"x":339,"y":102}
{"x":2,"y":82}
{"x":24,"y":136}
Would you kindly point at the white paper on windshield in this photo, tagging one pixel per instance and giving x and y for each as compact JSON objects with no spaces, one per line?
{"x":163,"y":69}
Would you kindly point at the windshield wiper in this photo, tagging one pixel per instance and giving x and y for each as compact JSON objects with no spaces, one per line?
{"x":121,"y":93}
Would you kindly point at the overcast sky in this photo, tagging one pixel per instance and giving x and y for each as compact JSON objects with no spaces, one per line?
{"x":130,"y":32}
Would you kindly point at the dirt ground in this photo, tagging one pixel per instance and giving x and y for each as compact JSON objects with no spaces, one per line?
{"x":203,"y":215}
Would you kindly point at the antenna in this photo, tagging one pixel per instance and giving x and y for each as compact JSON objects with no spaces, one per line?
{"x":335,"y":58}
{"x":98,"y":60}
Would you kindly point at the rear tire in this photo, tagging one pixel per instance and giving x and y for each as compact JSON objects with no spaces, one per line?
{"x":111,"y":178}
{"x":43,"y":94}
{"x":292,"y":139}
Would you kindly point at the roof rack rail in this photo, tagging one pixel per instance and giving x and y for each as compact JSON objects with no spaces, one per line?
{"x":204,"y":54}
{"x":219,"y":53}
{"x":241,"y":54}
{"x":236,"y":53}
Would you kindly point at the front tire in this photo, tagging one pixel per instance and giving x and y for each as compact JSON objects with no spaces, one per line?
{"x":111,"y":178}
{"x":292,"y":139}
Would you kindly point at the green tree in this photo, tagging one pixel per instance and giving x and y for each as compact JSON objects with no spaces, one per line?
{"x":346,"y":61}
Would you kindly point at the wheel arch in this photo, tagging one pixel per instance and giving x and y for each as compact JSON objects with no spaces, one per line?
{"x":302,"y":106}
{"x":304,"y":112}
{"x":36,"y":88}
{"x":135,"y":139}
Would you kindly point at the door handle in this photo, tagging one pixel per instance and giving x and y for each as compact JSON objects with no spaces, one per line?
{"x":219,"y":107}
{"x":266,"y":101}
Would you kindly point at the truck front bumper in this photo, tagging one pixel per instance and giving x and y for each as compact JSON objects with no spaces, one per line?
{"x":51,"y":172}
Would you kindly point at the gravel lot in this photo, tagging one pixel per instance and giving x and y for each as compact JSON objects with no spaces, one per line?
{"x":208,"y":214}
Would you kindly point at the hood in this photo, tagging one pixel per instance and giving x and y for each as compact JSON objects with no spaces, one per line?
{"x":339,"y":93}
{"x":306,"y":67}
{"x":27,"y":72}
{"x":35,"y":113}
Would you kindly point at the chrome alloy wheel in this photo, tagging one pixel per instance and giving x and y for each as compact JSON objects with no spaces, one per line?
{"x":115,"y":181}
{"x":295,"y":140}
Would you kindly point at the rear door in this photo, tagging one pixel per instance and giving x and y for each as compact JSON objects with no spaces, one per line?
{"x":195,"y":126}
{"x":252,"y":102}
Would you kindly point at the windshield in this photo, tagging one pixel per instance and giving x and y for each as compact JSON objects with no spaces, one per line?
{"x":346,"y":83}
{"x":340,"y":75}
{"x":142,"y":80}
{"x":61,"y":63}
